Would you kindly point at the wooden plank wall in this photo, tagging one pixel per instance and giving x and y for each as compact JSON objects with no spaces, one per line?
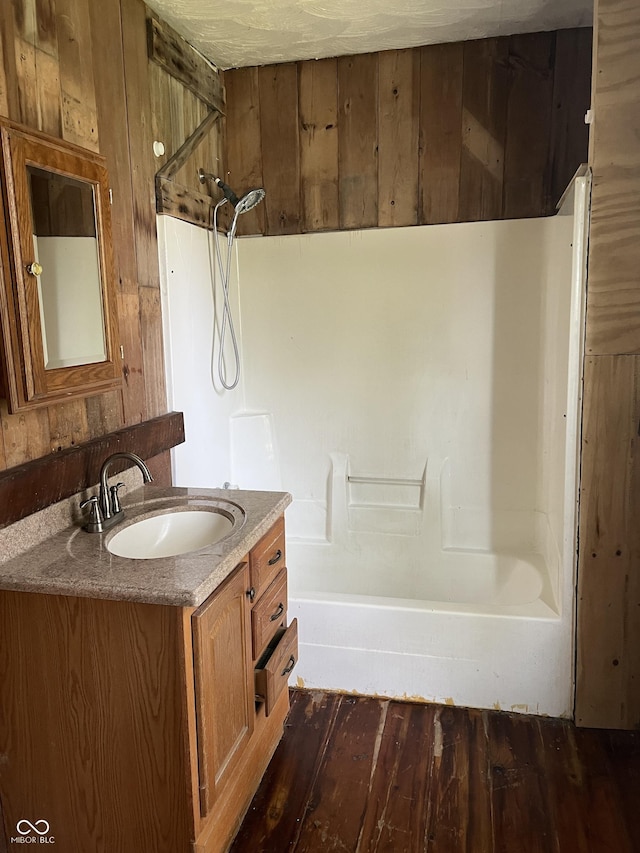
{"x":177,"y":112}
{"x":78,"y":69}
{"x":608,"y":648}
{"x":445,"y":133}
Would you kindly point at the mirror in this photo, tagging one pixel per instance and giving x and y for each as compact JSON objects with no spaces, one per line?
{"x":57,"y":302}
{"x":65,"y":246}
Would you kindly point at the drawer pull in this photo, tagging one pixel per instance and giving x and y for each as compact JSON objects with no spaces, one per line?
{"x":275,"y":557}
{"x":251,"y":593}
{"x":278,"y":613}
{"x":290,"y":665}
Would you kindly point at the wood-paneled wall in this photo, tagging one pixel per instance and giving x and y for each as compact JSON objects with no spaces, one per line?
{"x":608,"y":671}
{"x":445,"y":133}
{"x":78,"y":69}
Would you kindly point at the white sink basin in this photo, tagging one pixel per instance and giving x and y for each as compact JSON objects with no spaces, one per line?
{"x":170,"y":534}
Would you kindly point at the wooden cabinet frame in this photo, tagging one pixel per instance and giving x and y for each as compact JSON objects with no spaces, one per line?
{"x":27,"y":382}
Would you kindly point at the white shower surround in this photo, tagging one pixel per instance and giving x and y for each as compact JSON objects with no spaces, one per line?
{"x":447,"y":359}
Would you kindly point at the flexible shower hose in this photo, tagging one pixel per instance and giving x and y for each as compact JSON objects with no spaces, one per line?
{"x":227,"y":318}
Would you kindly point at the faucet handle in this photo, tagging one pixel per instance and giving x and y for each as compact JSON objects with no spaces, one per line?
{"x":115,"y":500}
{"x":94,"y":524}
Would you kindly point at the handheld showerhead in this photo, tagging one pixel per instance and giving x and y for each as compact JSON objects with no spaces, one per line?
{"x":250,"y":200}
{"x":247,"y":202}
{"x":241,"y":205}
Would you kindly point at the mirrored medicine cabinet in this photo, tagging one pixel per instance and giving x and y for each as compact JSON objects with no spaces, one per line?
{"x":58,"y":314}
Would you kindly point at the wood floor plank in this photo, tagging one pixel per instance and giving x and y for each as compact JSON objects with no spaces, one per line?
{"x":564,"y":776}
{"x":395,"y":820}
{"x":459,"y":818}
{"x":603,"y":818}
{"x":273,"y":820}
{"x":623,"y":753}
{"x":520,"y":819}
{"x":335,"y":813}
{"x":364,"y":775}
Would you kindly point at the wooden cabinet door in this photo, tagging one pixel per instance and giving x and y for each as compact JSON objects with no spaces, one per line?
{"x":225,"y":706}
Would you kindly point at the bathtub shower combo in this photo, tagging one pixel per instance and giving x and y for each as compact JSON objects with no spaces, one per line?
{"x":417,"y":390}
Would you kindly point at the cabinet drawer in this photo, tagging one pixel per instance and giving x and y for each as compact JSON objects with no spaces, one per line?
{"x":269,"y":613}
{"x":267,"y":558}
{"x":273,"y":668}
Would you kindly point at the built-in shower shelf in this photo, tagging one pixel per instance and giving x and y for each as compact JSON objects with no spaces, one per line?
{"x":384,"y":481}
{"x":388,"y":494}
{"x":373,"y":503}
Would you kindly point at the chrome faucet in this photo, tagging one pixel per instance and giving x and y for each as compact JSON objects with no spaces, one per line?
{"x":105,"y":506}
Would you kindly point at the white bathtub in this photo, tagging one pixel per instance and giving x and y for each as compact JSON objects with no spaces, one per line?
{"x":472,"y":629}
{"x":464,"y":581}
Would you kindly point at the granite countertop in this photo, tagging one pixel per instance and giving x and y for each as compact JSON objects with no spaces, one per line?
{"x":73,"y":562}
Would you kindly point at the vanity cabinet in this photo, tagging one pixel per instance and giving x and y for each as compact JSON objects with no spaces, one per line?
{"x":138,"y":728}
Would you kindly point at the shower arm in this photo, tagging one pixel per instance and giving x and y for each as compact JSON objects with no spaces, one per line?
{"x":241,"y":205}
{"x":226,"y":189}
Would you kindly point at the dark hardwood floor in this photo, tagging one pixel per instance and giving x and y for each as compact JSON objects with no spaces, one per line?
{"x":363,"y":775}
